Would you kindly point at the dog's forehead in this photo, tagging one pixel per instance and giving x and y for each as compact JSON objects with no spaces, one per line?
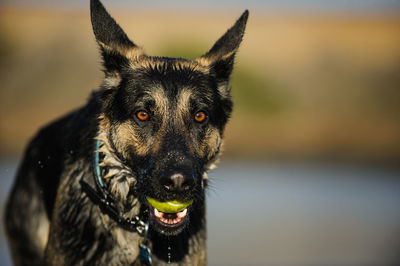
{"x":168,"y":63}
{"x":171,"y":77}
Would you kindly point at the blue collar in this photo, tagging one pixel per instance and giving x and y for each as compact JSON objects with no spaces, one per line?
{"x":106,"y":201}
{"x":102,"y":198}
{"x":97,"y":170}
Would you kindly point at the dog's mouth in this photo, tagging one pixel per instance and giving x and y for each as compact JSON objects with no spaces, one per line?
{"x":170,"y":217}
{"x":171,"y":220}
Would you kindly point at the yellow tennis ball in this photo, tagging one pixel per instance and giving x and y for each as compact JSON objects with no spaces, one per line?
{"x":173,"y":206}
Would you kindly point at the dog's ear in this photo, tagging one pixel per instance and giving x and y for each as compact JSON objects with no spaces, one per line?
{"x":116,"y":48}
{"x":221,"y":57}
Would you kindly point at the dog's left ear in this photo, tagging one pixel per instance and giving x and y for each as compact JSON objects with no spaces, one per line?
{"x":116,"y":48}
{"x":221,"y":57}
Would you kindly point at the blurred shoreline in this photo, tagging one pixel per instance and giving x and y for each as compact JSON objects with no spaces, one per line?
{"x":307,"y":86}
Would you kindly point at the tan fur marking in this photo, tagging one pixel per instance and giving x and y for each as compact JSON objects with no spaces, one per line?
{"x":156,"y":145}
{"x":204,"y":61}
{"x":154,"y":62}
{"x":182,"y":107}
{"x":224,"y":89}
{"x":212,"y":142}
{"x":209,"y":146}
{"x":133,"y":53}
{"x":182,"y":113}
{"x":161,"y":109}
{"x":104,"y":127}
{"x":112,"y":80}
{"x":126,"y":136}
{"x":161,"y":102}
{"x":207,"y":60}
{"x":43,"y":231}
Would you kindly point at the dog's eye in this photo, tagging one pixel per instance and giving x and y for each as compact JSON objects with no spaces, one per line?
{"x":200,"y":117}
{"x":142,"y":115}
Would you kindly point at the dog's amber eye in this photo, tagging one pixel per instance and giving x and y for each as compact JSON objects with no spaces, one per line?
{"x":142,"y":115}
{"x":200,"y":117}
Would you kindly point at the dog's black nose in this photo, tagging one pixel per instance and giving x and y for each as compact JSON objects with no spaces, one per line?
{"x":178,"y":182}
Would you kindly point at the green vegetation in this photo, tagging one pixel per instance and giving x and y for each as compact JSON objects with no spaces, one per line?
{"x":255,"y":94}
{"x":252,"y":93}
{"x":333,"y":91}
{"x":182,"y":49}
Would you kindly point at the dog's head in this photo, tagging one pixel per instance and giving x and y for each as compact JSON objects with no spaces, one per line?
{"x":164,"y":118}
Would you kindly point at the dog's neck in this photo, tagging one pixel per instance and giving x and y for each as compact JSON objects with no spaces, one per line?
{"x":120,"y":182}
{"x":118,"y":178}
{"x":187,"y":248}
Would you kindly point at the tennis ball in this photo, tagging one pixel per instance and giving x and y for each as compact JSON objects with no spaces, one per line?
{"x":173,"y":206}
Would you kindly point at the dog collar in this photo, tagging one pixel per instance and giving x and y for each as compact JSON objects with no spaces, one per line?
{"x":102,"y":198}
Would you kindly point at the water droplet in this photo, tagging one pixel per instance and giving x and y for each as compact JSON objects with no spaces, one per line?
{"x":39,"y":162}
{"x":169,"y":254}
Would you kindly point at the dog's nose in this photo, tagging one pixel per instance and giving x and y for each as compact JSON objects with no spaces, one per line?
{"x":178,"y":182}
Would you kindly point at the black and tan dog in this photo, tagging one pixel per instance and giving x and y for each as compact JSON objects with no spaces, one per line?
{"x":94,"y":185}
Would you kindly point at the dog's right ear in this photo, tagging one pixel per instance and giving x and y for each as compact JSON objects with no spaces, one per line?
{"x":116,"y":48}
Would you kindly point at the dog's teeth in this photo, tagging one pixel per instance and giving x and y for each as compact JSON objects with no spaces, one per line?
{"x":178,"y":219}
{"x":182,"y":213}
{"x":158,"y":213}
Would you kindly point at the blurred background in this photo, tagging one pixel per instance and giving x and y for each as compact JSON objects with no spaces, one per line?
{"x":310,"y":172}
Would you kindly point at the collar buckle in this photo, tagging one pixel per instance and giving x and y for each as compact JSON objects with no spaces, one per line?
{"x":141,"y":227}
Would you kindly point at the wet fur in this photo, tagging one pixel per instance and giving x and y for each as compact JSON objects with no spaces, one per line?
{"x":51,"y":221}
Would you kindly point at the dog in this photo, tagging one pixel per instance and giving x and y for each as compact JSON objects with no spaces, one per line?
{"x":122,"y":180}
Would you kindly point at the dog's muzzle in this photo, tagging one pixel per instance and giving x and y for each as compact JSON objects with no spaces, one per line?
{"x":169,"y":213}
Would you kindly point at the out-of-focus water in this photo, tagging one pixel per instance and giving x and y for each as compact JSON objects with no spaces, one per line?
{"x":7,"y":171}
{"x":293,"y":214}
